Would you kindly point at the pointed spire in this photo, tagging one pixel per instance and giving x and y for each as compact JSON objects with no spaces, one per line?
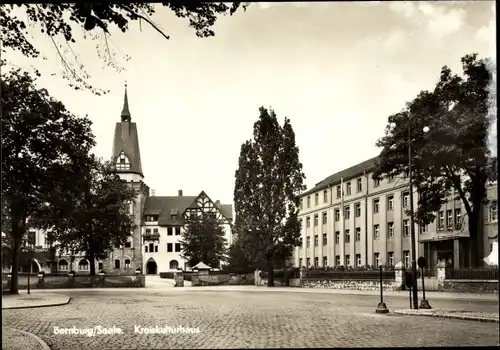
{"x":125,"y":111}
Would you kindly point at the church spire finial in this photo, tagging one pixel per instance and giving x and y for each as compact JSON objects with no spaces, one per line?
{"x":125,"y":111}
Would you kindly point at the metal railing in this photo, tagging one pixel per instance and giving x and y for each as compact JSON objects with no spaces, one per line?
{"x":428,"y":272}
{"x":489,"y":273}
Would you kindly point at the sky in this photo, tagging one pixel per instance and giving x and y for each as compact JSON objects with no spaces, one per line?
{"x":337,"y":70}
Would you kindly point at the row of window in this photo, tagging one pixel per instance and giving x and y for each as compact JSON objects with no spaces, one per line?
{"x":170,"y":231}
{"x":153,"y":248}
{"x":83,"y":265}
{"x":376,"y":233}
{"x":358,"y":262}
{"x":357,"y":209}
{"x":359,"y":188}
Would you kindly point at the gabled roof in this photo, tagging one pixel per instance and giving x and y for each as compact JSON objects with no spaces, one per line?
{"x":201,"y":266}
{"x":166,"y":207}
{"x":347,"y":174}
{"x":127,"y":141}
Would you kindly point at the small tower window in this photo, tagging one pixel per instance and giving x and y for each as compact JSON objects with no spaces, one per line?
{"x":122,"y":162}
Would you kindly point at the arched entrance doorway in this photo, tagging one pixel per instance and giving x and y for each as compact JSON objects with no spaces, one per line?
{"x":151,"y":267}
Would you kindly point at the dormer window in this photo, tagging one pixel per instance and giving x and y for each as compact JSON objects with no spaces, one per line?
{"x":174,"y":213}
{"x":152,"y":218}
{"x":122,"y":163}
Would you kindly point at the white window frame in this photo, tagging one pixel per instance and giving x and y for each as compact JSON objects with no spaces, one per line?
{"x":390,"y":259}
{"x":390,"y":203}
{"x":493,"y":211}
{"x":449,"y":218}
{"x":406,"y":257}
{"x":406,"y":228}
{"x":390,"y":229}
{"x":347,"y":212}
{"x":406,"y":200}
{"x":458,"y":217}
{"x":358,"y":260}
{"x":441,"y":220}
{"x":376,"y":231}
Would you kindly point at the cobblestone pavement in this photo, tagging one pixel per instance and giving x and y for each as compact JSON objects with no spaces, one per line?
{"x":459,"y":314}
{"x":14,"y":340}
{"x":236,"y":319}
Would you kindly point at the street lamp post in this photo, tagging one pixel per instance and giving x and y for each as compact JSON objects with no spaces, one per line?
{"x":412,"y":218}
{"x":381,"y":307}
{"x":31,"y":267}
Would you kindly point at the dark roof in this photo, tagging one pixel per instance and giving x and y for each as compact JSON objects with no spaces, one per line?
{"x":125,"y":110}
{"x":227,"y":210}
{"x":127,"y":140}
{"x":347,"y":174}
{"x":165,"y":206}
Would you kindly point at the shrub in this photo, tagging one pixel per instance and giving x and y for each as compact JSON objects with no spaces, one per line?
{"x":169,"y":275}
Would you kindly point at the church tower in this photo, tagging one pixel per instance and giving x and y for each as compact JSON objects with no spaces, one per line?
{"x":127,"y":159}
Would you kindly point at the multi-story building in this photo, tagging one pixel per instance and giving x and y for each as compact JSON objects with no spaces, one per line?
{"x":155,"y":244}
{"x":350,"y":219}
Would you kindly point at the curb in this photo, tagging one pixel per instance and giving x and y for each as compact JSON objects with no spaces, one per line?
{"x":34,"y":337}
{"x":36,"y":306}
{"x":456,"y":317}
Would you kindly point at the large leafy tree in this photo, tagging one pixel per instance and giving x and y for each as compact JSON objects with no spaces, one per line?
{"x":453,"y":159}
{"x":39,"y":136}
{"x":94,"y":217}
{"x":59,"y":20}
{"x":203,"y":240}
{"x":268,"y":181}
{"x":237,"y":260}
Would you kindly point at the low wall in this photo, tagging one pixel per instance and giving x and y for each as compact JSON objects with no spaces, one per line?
{"x":469,"y":286}
{"x":278,"y":282}
{"x":431,"y":284}
{"x":224,"y":279}
{"x":350,"y":284}
{"x":58,"y":281}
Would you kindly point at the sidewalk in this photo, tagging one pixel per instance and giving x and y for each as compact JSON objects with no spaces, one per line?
{"x":456,"y":314}
{"x":14,"y":339}
{"x":39,"y":299}
{"x":153,"y":287}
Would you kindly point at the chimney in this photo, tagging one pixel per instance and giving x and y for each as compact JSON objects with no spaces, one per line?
{"x":153,"y":192}
{"x":180,"y":193}
{"x":217,"y":203}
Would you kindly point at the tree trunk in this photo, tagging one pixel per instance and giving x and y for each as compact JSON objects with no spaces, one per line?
{"x":91,"y":259}
{"x":17,"y":235}
{"x":473,"y":239}
{"x":270,"y":275}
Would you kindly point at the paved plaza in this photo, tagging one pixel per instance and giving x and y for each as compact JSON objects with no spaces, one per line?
{"x":248,"y":319}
